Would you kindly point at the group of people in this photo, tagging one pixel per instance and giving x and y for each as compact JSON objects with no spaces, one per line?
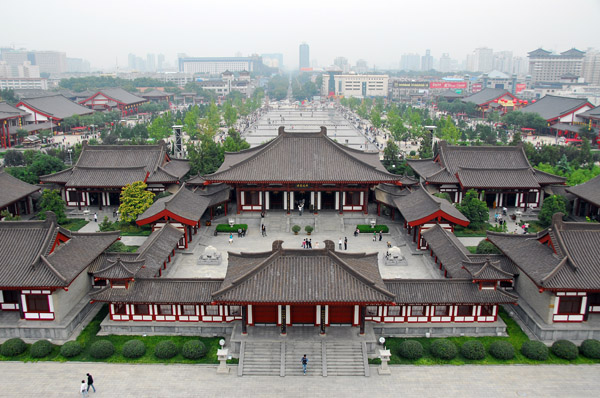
{"x":86,"y":385}
{"x":344,"y":242}
{"x":307,"y":244}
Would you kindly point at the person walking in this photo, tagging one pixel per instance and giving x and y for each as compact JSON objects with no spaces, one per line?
{"x":264,"y":230}
{"x":95,"y":217}
{"x":83,"y":389}
{"x":90,"y":382}
{"x":374,"y":236}
{"x":304,"y":245}
{"x":340,"y":243}
{"x":231,"y":238}
{"x":310,"y":243}
{"x":380,"y":235}
{"x":345,"y":243}
{"x":304,"y":363}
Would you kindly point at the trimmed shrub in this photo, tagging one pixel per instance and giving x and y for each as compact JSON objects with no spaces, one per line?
{"x":71,"y":349}
{"x":13,"y":347}
{"x":165,"y":349}
{"x":308,"y":229}
{"x":565,"y":349}
{"x":472,"y":349}
{"x":364,"y":229}
{"x":102,"y":349}
{"x":41,"y":349}
{"x":296,"y":229}
{"x":502,"y":350}
{"x":133,"y":349}
{"x":410,"y":349}
{"x":443,"y":349}
{"x":535,"y":350}
{"x":590,"y":349}
{"x":227,"y":228}
{"x":193,"y":349}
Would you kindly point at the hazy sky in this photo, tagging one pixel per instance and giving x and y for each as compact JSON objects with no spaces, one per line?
{"x":105,"y":32}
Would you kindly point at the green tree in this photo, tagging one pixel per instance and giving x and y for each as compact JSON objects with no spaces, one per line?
{"x":375,"y":118}
{"x":205,"y":157}
{"x":213,"y":118}
{"x":425,"y":150}
{"x":516,"y":138}
{"x":23,"y":174}
{"x":552,"y":204}
{"x":474,"y":209}
{"x":487,"y":247}
{"x":449,"y":132}
{"x":45,"y":164}
{"x":159,"y":128}
{"x":134,"y":201}
{"x":14,"y":158}
{"x":6,"y":215}
{"x":51,"y":201}
{"x":391,"y":157}
{"x":230,"y":115}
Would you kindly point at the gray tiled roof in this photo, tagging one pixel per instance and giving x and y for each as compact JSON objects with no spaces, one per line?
{"x":119,"y":165}
{"x":445,"y":291}
{"x":156,"y":249}
{"x":486,"y":270}
{"x":155,"y":94}
{"x":450,"y":252}
{"x":161,"y":291}
{"x":482,"y":167}
{"x":119,"y":268}
{"x":184,"y":203}
{"x":416,"y":203}
{"x":122,"y":96}
{"x":107,"y":258}
{"x":486,"y":95}
{"x":504,"y":263}
{"x":13,"y":189}
{"x":304,"y":276}
{"x":8,"y":111}
{"x":302,"y":157}
{"x":550,"y":106}
{"x":575,"y":263}
{"x":592,"y":113}
{"x":28,"y":260}
{"x":588,"y":191}
{"x":57,"y":106}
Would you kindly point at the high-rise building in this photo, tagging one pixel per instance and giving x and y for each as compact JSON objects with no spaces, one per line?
{"x":520,"y":66}
{"x":78,"y":65}
{"x":14,"y":59}
{"x":544,"y":66}
{"x":410,"y":62}
{"x":361,"y":66}
{"x":503,"y":61}
{"x":427,"y":61}
{"x":342,"y":63}
{"x":274,"y":60}
{"x":304,"y":56}
{"x":445,"y":63}
{"x":160,"y":62}
{"x":131,"y":61}
{"x":150,"y":63}
{"x":485,"y":59}
{"x":591,"y":67}
{"x":29,"y":71}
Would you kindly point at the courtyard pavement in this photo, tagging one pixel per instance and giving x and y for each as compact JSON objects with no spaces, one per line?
{"x":53,"y":379}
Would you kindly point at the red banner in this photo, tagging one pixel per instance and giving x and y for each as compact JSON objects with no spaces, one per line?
{"x":520,"y":87}
{"x":447,"y":84}
{"x":476,"y":87}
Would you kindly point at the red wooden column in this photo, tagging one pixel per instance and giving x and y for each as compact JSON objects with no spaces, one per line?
{"x":238,"y":200}
{"x":341,"y":201}
{"x":366,"y":201}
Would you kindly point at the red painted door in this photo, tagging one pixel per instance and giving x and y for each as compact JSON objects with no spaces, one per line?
{"x":341,"y":314}
{"x":303,"y":314}
{"x":264,"y":313}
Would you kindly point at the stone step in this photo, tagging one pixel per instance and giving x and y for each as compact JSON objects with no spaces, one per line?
{"x":261,"y":359}
{"x":345,"y":359}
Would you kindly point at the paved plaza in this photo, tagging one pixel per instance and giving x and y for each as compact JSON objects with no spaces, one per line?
{"x":52,"y":379}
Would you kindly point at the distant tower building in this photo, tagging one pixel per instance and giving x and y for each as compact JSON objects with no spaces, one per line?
{"x":361,"y":66}
{"x":342,"y":63}
{"x":161,"y":62}
{"x":131,"y":61}
{"x":591,"y":67}
{"x":445,"y":63}
{"x":410,"y":62}
{"x":545,"y":66}
{"x":485,"y":59}
{"x":304,"y":56}
{"x":427,"y":61}
{"x":150,"y":62}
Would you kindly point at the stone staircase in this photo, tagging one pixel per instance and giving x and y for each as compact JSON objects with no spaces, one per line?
{"x":260,"y":359}
{"x":294,"y":350}
{"x":326,"y":358}
{"x":346,"y":359}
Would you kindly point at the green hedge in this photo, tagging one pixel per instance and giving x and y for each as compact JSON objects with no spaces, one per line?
{"x":535,"y":350}
{"x":133,"y":349}
{"x":165,"y":349}
{"x":443,"y":349}
{"x":227,"y":228}
{"x":102,"y":349}
{"x":71,"y":349}
{"x":13,"y":347}
{"x":590,"y":349}
{"x":41,"y":349}
{"x":502,"y":349}
{"x":366,"y":229}
{"x":473,"y":349}
{"x":565,"y":349}
{"x":193,"y":349}
{"x":411,"y":349}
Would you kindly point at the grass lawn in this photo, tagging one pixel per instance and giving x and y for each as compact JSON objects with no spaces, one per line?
{"x":89,"y":335}
{"x":515,"y":336}
{"x":74,"y":224}
{"x":462,"y":232}
{"x":472,"y":249}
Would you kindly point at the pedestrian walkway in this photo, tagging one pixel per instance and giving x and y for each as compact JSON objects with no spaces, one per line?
{"x":54,"y":379}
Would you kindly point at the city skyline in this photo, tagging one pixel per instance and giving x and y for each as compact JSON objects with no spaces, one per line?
{"x":381,"y":38}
